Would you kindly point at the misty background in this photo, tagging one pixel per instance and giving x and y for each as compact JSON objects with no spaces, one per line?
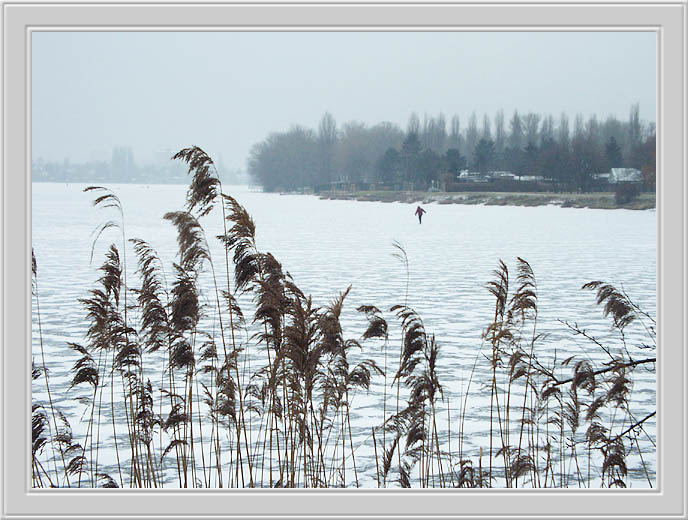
{"x":137,"y":97}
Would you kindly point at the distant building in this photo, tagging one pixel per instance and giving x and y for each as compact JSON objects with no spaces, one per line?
{"x":601,"y":177}
{"x":466,"y":176}
{"x":632,"y":175}
{"x":503,"y":175}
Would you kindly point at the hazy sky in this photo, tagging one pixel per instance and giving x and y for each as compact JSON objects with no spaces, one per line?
{"x":225,"y":91}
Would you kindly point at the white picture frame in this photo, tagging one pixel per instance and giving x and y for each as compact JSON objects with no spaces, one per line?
{"x":667,"y":500}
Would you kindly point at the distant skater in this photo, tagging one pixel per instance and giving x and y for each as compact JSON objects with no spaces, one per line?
{"x":420,"y":212}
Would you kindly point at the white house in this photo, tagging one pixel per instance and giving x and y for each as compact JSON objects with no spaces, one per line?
{"x":503,"y":175}
{"x":625,"y":175}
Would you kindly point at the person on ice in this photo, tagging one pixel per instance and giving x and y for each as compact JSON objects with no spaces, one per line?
{"x":420,"y":212}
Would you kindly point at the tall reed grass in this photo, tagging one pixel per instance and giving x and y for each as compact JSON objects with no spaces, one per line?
{"x":185,"y":408}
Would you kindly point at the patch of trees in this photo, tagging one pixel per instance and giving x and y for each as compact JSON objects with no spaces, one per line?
{"x":433,"y":152}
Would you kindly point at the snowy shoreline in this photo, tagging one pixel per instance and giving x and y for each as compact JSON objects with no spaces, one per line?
{"x":564,"y":200}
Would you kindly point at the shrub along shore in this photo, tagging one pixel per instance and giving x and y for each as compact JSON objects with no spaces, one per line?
{"x":601,"y":200}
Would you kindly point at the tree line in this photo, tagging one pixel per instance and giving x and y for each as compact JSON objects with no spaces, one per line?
{"x":434,"y":150}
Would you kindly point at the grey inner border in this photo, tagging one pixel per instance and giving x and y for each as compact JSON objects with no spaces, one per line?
{"x":668,"y":19}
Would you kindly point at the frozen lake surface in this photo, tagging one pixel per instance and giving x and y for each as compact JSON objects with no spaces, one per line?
{"x":328,"y":245}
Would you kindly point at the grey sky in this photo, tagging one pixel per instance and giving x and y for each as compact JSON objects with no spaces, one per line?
{"x":226,"y":91}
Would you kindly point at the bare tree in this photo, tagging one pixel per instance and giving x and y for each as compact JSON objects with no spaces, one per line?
{"x":487,"y":133}
{"x":455,"y":135}
{"x":563,"y":131}
{"x":472,"y":136}
{"x":500,"y":134}
{"x":532,"y":124}
{"x":440,"y":133}
{"x":547,"y":129}
{"x":634,"y":129}
{"x":413,"y":126}
{"x":327,"y":140}
{"x":516,"y":137}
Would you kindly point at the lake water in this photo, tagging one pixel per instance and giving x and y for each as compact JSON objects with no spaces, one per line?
{"x":328,"y":245}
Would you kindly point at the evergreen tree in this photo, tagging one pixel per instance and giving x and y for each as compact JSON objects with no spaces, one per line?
{"x":410,"y":152}
{"x":613,"y":154}
{"x":531,"y":159}
{"x":484,"y":155}
{"x":455,"y":161}
{"x":388,"y":166}
{"x":430,"y":165}
{"x":548,"y":162}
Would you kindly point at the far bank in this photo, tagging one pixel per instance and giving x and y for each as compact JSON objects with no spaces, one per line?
{"x":599,"y":200}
